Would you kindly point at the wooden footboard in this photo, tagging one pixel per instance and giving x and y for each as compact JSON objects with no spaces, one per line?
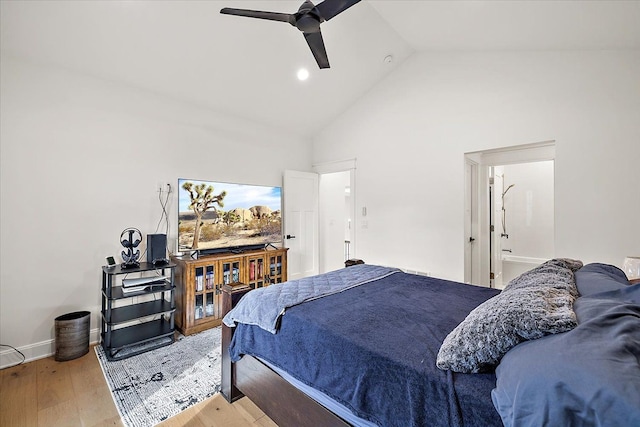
{"x":281,"y":401}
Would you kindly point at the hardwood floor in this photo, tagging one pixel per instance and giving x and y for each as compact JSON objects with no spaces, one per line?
{"x":75,"y":393}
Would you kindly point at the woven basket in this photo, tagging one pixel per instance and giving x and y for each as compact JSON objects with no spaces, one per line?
{"x":72,"y":335}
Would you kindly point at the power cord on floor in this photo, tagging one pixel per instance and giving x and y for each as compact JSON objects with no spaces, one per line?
{"x":16,"y":350}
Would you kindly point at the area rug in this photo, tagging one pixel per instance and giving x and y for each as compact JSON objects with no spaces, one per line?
{"x":156,"y":385}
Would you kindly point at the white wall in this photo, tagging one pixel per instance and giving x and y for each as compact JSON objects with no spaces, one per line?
{"x":411,"y":131}
{"x":81,"y":159}
{"x":529,"y":209}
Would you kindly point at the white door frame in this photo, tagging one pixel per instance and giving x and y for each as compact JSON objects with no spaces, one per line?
{"x":496,"y":202}
{"x":476,"y":262}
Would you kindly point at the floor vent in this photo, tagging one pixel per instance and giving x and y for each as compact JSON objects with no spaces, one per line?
{"x":416,"y":272}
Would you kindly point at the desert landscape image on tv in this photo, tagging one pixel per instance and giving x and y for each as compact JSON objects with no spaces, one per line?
{"x":215,"y":215}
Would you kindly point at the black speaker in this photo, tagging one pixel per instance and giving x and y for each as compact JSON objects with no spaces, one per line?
{"x":157,"y":249}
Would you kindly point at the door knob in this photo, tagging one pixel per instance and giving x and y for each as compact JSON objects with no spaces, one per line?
{"x":471,"y":239}
{"x":289,"y":236}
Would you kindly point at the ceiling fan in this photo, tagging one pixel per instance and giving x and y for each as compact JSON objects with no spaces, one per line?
{"x":307,"y":19}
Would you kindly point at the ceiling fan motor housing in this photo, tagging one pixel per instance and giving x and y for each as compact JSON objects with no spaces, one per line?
{"x":309,"y":22}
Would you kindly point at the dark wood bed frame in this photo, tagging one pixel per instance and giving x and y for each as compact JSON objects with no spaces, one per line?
{"x":281,"y":401}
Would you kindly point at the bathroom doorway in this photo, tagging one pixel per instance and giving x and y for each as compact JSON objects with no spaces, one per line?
{"x":337,"y":233}
{"x":509,"y":212}
{"x":521,"y":210}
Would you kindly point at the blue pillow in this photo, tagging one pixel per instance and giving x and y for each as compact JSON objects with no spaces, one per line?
{"x":590,"y":306}
{"x":588,"y":376}
{"x":595,"y":278}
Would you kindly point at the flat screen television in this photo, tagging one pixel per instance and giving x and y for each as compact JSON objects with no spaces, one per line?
{"x":220,"y":216}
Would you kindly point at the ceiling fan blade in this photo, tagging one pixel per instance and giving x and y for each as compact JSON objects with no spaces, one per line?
{"x":315,"y":42}
{"x":330,"y":8}
{"x":271,"y":16}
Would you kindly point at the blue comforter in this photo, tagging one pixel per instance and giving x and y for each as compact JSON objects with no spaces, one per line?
{"x":373,"y":349}
{"x":264,"y":306}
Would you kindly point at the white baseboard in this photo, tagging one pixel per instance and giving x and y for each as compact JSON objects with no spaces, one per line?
{"x":40,"y":350}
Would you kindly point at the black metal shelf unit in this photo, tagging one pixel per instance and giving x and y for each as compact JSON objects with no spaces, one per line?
{"x":132,"y":327}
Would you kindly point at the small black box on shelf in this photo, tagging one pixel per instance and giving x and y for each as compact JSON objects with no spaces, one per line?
{"x":157,"y":249}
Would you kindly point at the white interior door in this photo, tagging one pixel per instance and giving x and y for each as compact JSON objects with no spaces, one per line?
{"x":471,"y":230}
{"x":300,"y":192}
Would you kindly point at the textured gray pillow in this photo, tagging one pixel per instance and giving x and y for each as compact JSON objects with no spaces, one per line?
{"x":556,"y":273}
{"x":537,"y":303}
{"x":478,"y":343}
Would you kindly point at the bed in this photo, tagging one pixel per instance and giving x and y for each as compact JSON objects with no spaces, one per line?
{"x":369,"y":345}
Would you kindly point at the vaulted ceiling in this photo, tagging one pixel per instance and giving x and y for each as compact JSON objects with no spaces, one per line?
{"x":247,"y":68}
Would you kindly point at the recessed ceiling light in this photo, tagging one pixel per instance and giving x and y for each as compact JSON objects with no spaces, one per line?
{"x":303,"y":74}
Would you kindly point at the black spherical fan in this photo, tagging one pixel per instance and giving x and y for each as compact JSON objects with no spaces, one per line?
{"x":307,"y":19}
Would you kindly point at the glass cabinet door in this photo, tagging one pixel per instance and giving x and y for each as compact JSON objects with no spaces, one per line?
{"x":226,"y":273}
{"x":209,"y":308}
{"x":199,"y":309}
{"x":275,"y":268}
{"x":199,"y":279}
{"x":205,"y":292}
{"x":256,"y":272}
{"x":235,"y":271}
{"x":230,"y":272}
{"x":210,"y":277}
